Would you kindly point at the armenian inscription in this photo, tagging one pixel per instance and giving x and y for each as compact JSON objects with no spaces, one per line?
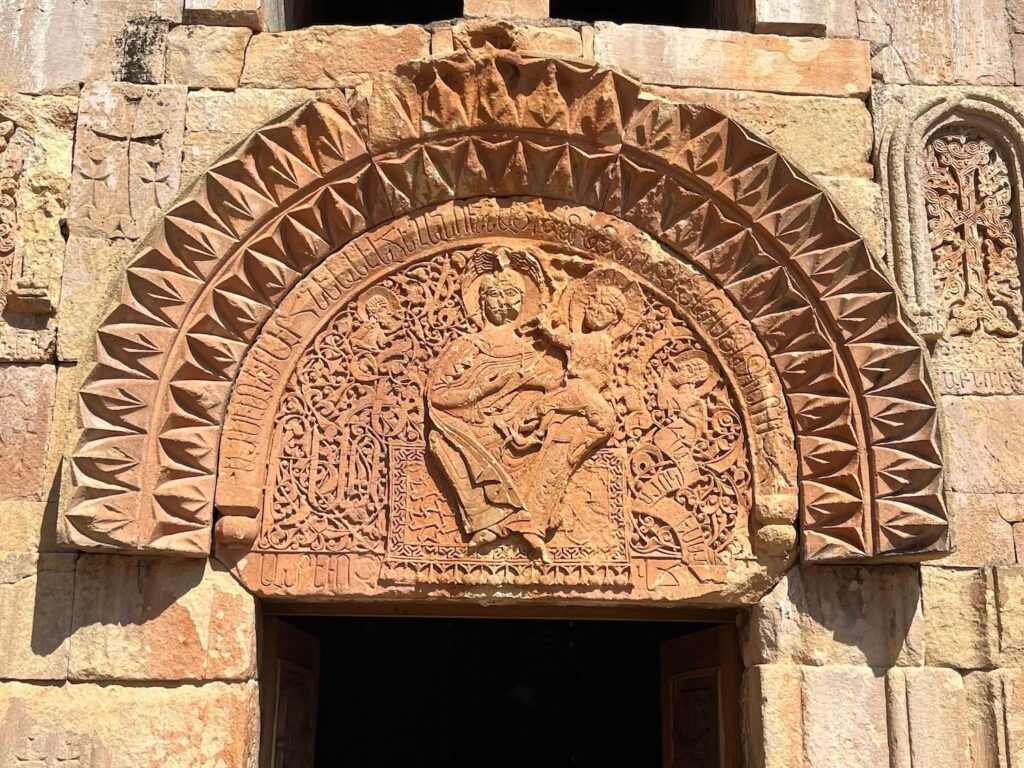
{"x":496,"y":409}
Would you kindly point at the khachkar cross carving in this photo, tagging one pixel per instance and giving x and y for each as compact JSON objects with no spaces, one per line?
{"x":968,"y":200}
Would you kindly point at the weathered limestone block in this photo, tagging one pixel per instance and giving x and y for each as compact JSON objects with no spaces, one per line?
{"x":258,"y":15}
{"x":54,"y":46}
{"x":844,"y":718}
{"x":26,"y":402}
{"x":960,"y":617}
{"x":36,"y":594}
{"x":527,"y":9}
{"x":983,"y":449}
{"x":36,"y":137}
{"x":206,"y":57}
{"x":821,"y":615}
{"x":93,"y":276}
{"x":1009,"y":587}
{"x":938,"y":42}
{"x":790,"y":17}
{"x":563,"y":42}
{"x":27,"y":526}
{"x":995,"y":717}
{"x":927,"y":708}
{"x":215,"y":121}
{"x":860,"y":200}
{"x":94,"y":726}
{"x":160,"y":619}
{"x":127,"y":158}
{"x":735,"y":60}
{"x":824,"y":136}
{"x":324,"y":57}
{"x":981,"y":533}
{"x":773,"y":700}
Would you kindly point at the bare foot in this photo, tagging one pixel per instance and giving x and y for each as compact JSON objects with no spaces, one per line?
{"x":539,"y":547}
{"x":483,"y":537}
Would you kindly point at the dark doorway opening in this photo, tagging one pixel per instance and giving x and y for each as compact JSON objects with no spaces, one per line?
{"x":486,"y":693}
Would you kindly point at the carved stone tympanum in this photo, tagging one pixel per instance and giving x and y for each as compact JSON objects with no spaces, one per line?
{"x":507,"y":323}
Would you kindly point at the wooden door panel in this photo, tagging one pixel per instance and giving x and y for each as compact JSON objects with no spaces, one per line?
{"x":289,"y":682}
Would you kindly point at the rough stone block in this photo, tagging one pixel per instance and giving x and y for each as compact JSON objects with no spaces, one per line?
{"x":960,"y":615}
{"x":926,"y":709}
{"x":215,"y":121}
{"x":27,"y":526}
{"x":54,"y":46}
{"x":981,"y":535}
{"x":1009,"y":586}
{"x":844,"y":718}
{"x":826,"y":136}
{"x":36,"y":137}
{"x":860,"y":201}
{"x":160,"y":619}
{"x":442,"y":41}
{"x":94,"y":726}
{"x":735,"y":60}
{"x":995,"y":717}
{"x":562,"y":42}
{"x":773,"y":697}
{"x":36,"y":594}
{"x":1018,"y":542}
{"x":942,"y":42}
{"x":983,"y":451}
{"x":823,"y":615}
{"x":127,"y":158}
{"x":258,"y":15}
{"x":26,"y":402}
{"x":93,"y":278}
{"x":206,"y":57}
{"x":324,"y":57}
{"x":527,"y":9}
{"x":791,"y":17}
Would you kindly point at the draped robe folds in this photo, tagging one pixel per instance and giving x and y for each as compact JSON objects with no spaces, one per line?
{"x":478,"y":379}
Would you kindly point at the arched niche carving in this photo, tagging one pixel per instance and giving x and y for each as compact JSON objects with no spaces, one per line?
{"x":951,"y":162}
{"x":447,"y":132}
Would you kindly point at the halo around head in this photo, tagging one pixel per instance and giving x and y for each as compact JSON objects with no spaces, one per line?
{"x":375,"y":295}
{"x":503,"y":260}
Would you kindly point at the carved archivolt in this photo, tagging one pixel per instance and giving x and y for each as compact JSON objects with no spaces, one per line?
{"x":952,"y":162}
{"x":566,"y":185}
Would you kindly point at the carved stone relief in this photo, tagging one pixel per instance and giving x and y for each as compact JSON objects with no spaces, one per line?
{"x":954,"y":184}
{"x":127,"y":157}
{"x":351,"y":213}
{"x":12,"y":161}
{"x":524,"y":408}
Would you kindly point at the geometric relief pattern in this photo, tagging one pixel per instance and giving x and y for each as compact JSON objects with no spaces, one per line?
{"x":458,"y":128}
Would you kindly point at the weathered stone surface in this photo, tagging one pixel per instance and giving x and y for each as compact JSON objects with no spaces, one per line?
{"x":127,"y":158}
{"x":1009,"y":588}
{"x":527,"y":9}
{"x":36,"y":135}
{"x":861,"y":202}
{"x":844,"y":718}
{"x":26,"y":400}
{"x":215,"y":121}
{"x":735,"y":60}
{"x":93,"y":277}
{"x":821,"y":615}
{"x":1018,"y":541}
{"x":206,"y":57}
{"x":790,"y":17}
{"x":160,"y":619}
{"x":960,"y":614}
{"x":258,"y":15}
{"x":981,"y":534}
{"x":309,"y":58}
{"x":774,"y":715}
{"x":995,"y":717}
{"x":941,"y":42}
{"x":36,"y":594}
{"x":824,"y":136}
{"x":927,"y":710}
{"x":27,"y":526}
{"x":983,"y":451}
{"x":563,"y":42}
{"x":50,"y":46}
{"x":110,"y":726}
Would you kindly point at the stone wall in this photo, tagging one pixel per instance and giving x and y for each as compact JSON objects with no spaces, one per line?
{"x":123,"y":661}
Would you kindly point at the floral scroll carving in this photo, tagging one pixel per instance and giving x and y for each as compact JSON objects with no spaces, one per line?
{"x":953,"y":166}
{"x":329,"y":216}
